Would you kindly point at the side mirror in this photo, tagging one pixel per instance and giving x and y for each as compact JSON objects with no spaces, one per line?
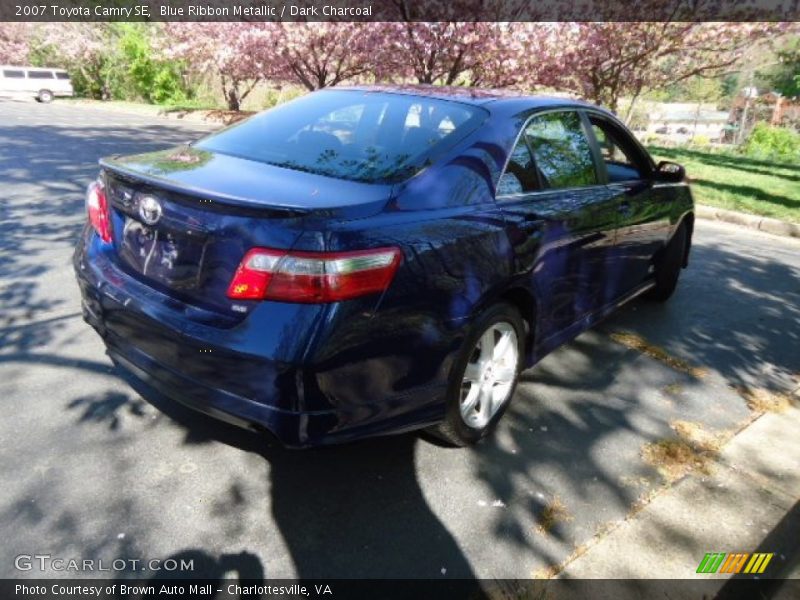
{"x":670,"y":172}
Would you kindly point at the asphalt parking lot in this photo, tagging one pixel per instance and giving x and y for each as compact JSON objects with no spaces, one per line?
{"x":93,"y":470}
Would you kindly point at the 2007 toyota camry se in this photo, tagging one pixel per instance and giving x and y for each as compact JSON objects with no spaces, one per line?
{"x":375,"y":259}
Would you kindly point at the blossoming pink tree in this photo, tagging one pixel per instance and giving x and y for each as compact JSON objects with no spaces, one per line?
{"x":604,"y":62}
{"x":318,"y":55}
{"x":14,"y":43}
{"x":83,"y":48}
{"x":231,"y":53}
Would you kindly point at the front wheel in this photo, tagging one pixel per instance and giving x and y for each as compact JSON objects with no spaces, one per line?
{"x":484,"y":376}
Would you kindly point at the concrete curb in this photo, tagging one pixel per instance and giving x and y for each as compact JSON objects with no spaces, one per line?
{"x":766,"y":224}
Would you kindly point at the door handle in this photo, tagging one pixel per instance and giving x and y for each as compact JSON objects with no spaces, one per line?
{"x":634,"y":187}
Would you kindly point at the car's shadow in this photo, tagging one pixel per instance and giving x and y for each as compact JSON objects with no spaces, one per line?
{"x":339,"y":507}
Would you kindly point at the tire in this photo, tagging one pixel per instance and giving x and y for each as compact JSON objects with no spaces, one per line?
{"x":481,"y":385}
{"x":45,"y":96}
{"x":668,"y":267}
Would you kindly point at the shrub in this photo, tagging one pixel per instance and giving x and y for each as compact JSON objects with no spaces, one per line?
{"x":144,"y":75}
{"x":772,"y":143}
{"x":701,"y":140}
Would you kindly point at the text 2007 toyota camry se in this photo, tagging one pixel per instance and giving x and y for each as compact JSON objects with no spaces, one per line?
{"x":372,"y":260}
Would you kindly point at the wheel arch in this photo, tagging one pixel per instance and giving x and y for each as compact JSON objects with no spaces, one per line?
{"x":525,"y":302}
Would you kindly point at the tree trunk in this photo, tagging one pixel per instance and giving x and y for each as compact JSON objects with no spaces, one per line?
{"x":629,"y":113}
{"x":696,"y":119}
{"x":233,"y":99}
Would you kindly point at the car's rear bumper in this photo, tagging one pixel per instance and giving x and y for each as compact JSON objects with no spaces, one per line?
{"x":335,"y":395}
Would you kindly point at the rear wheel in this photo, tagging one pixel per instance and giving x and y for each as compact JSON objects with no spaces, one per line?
{"x":45,"y":96}
{"x":668,"y":267}
{"x":484,"y":376}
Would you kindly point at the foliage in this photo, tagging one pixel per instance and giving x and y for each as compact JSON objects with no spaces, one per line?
{"x":112,"y":60}
{"x":144,"y":75}
{"x":773,"y":143}
{"x":695,"y":89}
{"x":784,"y":77}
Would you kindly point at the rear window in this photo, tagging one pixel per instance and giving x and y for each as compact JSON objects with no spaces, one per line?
{"x":40,"y":75}
{"x":354,"y":135}
{"x":14,"y":74}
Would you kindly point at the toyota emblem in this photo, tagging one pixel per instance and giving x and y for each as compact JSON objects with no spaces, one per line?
{"x":149,"y":210}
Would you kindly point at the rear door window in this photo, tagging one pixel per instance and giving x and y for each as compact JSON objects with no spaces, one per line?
{"x":40,"y":75}
{"x":520,"y":175}
{"x":561,"y":150}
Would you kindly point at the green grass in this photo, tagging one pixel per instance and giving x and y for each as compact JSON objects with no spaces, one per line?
{"x":143,"y":107}
{"x":190,"y":105}
{"x":739,"y":183}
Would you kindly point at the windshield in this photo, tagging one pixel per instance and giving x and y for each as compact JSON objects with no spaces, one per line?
{"x":355,"y":135}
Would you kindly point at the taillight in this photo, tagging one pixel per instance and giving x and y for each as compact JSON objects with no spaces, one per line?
{"x":266,"y":274}
{"x":97,"y":207}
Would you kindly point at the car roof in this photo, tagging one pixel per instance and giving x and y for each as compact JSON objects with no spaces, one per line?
{"x":23,"y":67}
{"x":471,"y":95}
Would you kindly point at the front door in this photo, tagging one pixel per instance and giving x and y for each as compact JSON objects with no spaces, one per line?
{"x":643,"y":220}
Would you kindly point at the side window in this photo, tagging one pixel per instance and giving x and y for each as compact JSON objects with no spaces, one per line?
{"x":13,"y":74}
{"x":520,"y":174}
{"x":623,"y":160}
{"x":561,"y":151}
{"x":60,"y":75}
{"x":40,"y":75}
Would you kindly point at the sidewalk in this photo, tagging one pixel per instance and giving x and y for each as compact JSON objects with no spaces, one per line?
{"x":749,"y":503}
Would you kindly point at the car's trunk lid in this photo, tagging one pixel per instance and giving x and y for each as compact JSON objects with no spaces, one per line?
{"x":183,"y":219}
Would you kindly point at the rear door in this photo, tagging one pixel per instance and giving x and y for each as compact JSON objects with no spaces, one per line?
{"x":643,"y":220}
{"x":560,"y":216}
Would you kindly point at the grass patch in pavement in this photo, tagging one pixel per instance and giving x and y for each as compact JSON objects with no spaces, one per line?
{"x":739,"y":183}
{"x":761,"y":400}
{"x":673,"y":389}
{"x":638,"y":343}
{"x":692,"y":449}
{"x":552,"y":514}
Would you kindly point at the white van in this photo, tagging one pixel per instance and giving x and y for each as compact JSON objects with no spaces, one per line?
{"x":44,"y":84}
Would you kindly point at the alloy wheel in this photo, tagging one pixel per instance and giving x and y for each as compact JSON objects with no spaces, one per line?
{"x":489,"y":375}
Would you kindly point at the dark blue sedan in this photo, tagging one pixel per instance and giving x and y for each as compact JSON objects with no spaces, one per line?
{"x":375,"y":260}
